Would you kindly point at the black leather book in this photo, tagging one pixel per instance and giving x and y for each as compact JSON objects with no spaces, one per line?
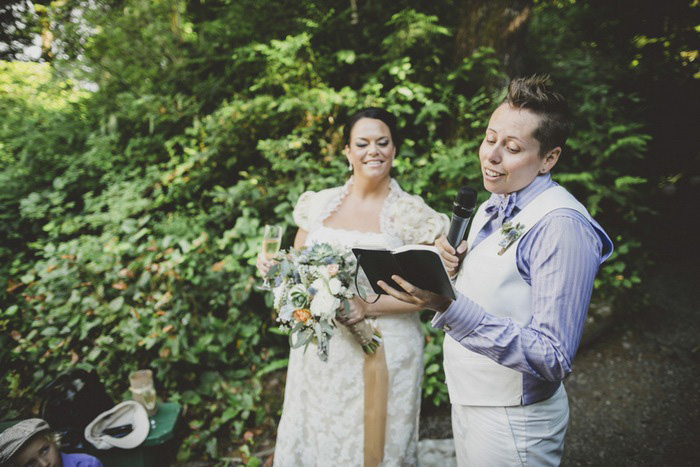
{"x":418,"y":264}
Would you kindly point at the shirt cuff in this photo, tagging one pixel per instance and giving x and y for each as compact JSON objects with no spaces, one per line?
{"x":460,"y":318}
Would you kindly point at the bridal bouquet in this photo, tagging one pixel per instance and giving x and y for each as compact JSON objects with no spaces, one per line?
{"x":310,"y":284}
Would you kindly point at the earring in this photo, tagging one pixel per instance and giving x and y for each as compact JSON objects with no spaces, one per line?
{"x":349,"y":167}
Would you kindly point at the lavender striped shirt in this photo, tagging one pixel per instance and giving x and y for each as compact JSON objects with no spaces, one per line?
{"x":561,"y":276}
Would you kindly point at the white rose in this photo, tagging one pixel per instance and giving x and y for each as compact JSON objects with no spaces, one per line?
{"x":318,"y":285}
{"x":322,"y":271}
{"x":335,"y":286}
{"x":324,"y":305}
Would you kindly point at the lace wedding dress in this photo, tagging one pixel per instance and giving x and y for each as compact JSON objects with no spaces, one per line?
{"x":322,"y":420}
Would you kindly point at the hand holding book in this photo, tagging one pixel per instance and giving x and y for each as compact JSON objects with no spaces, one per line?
{"x":424,"y":299}
{"x":419,"y":265}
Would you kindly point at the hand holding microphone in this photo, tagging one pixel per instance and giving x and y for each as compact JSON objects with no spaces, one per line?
{"x":452,"y":249}
{"x":463,"y":208}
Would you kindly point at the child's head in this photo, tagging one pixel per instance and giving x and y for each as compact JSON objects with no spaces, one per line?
{"x":29,"y":444}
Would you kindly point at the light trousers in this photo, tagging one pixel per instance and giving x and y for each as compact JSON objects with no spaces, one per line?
{"x":526,"y":435}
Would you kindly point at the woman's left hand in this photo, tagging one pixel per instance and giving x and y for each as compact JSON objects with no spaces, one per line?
{"x":424,"y":299}
{"x":358,"y":311}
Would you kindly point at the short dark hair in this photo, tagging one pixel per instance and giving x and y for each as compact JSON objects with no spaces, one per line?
{"x":534,"y":93}
{"x":372,"y":112}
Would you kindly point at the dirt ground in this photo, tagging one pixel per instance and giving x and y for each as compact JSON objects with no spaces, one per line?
{"x":634,"y":392}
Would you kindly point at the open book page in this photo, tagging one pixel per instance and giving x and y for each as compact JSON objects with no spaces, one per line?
{"x":414,"y":247}
{"x":420,"y":265}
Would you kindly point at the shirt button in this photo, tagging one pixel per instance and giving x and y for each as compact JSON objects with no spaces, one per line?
{"x":447,"y":328}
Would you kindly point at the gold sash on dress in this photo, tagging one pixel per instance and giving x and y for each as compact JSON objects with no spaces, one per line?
{"x":376,"y":376}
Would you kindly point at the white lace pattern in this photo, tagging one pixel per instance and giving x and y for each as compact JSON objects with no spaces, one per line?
{"x":322,"y":420}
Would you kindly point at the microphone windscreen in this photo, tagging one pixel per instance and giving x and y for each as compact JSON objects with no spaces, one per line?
{"x":466,"y":197}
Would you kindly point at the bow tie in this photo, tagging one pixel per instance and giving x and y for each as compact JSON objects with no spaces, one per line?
{"x":503,"y":205}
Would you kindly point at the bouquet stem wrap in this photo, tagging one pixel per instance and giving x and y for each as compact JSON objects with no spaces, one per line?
{"x":376,"y":376}
{"x":366,"y":335}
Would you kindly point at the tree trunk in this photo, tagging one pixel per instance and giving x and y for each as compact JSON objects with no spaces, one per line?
{"x":41,"y":7}
{"x":500,"y":24}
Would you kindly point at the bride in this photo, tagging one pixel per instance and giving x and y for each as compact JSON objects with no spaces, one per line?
{"x":324,"y":412}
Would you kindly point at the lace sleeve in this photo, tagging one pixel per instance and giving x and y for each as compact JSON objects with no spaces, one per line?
{"x":302,"y":210}
{"x":415,"y":221}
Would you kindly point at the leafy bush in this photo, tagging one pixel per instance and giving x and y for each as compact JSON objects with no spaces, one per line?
{"x":132,"y":214}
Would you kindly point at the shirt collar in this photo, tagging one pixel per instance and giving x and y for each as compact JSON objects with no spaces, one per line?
{"x":519,"y":199}
{"x":534,"y":189}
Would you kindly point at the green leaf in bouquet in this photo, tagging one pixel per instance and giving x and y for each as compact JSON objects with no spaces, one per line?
{"x":303,"y":338}
{"x":285,"y":268}
{"x":297,"y":327}
{"x":274,"y":271}
{"x":278,"y":331}
{"x":309,"y":340}
{"x":327,"y":328}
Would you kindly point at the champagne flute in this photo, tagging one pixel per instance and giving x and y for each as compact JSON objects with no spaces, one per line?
{"x":272,"y":240}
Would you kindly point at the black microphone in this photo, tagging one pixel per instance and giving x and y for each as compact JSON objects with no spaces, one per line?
{"x":464,"y":204}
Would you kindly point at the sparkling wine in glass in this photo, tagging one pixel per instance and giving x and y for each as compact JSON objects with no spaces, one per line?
{"x":272,"y":239}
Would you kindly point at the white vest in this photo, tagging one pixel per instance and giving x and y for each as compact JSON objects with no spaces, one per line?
{"x":494,"y":282}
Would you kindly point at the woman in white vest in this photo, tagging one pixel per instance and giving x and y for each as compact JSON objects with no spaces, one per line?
{"x":332,"y":413}
{"x":524,"y":289}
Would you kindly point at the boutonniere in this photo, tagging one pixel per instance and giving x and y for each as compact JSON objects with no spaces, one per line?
{"x":510,"y":234}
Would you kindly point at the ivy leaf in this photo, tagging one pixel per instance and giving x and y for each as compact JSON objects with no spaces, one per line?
{"x":228,"y":414}
{"x":116,"y":304}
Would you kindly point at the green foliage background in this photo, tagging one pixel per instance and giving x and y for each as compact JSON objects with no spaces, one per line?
{"x":137,"y":168}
